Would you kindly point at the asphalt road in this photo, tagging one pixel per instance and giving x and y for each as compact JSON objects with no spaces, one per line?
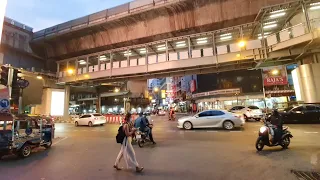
{"x":84,"y":153}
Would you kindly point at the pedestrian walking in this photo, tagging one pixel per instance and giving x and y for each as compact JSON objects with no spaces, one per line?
{"x":127,"y":151}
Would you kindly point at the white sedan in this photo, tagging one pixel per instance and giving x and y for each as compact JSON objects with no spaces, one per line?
{"x":211,"y":119}
{"x":90,"y":120}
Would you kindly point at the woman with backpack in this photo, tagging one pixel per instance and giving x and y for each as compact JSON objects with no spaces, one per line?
{"x":127,"y":151}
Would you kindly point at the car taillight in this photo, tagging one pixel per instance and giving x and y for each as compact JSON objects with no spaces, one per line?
{"x":95,"y":118}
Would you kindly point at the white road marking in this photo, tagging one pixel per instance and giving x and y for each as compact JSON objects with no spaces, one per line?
{"x":255,"y":131}
{"x":189,"y":131}
{"x":60,"y":140}
{"x":311,"y":132}
{"x":235,"y":131}
{"x":212,"y":131}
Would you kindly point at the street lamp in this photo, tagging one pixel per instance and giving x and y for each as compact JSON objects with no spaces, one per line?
{"x":275,"y":72}
{"x":116,"y":90}
{"x":70,"y":71}
{"x":242,"y":43}
{"x":156,"y":89}
{"x":3,"y":5}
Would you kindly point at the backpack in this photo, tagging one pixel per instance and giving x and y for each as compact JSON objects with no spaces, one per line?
{"x":121,"y":135}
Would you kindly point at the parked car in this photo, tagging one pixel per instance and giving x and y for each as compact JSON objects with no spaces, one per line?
{"x":302,"y":114}
{"x":249,"y":112}
{"x":210,"y":119}
{"x":161,"y":113}
{"x":90,"y":120}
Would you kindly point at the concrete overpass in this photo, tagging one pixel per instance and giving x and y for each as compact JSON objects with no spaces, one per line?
{"x":279,"y":34}
{"x":144,"y":21}
{"x":158,"y":38}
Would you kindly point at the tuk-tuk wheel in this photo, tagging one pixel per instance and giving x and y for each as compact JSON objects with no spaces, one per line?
{"x":47,"y":146}
{"x":25,"y":151}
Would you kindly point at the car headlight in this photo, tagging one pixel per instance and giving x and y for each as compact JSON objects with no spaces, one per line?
{"x":263,"y":129}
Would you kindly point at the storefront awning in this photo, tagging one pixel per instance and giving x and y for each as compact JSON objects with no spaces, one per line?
{"x":280,"y":91}
{"x":114,"y":94}
{"x":217,"y":92}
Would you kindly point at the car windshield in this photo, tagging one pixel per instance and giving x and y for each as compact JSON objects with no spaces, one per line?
{"x":288,"y":108}
{"x":253,"y":107}
{"x":97,"y":115}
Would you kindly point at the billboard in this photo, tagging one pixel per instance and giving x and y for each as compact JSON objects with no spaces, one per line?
{"x":276,"y":75}
{"x":57,"y":102}
{"x":163,"y":94}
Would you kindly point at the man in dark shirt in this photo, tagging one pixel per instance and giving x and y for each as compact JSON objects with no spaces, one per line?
{"x":147,"y":128}
{"x":276,"y":120}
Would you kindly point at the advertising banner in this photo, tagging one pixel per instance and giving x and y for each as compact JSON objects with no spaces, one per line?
{"x":163,"y":94}
{"x":274,"y":76}
{"x":217,"y":92}
{"x":193,"y":86}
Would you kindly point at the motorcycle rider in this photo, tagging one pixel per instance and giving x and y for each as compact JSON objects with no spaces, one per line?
{"x":148,"y":128}
{"x":276,"y":120}
{"x":143,"y":124}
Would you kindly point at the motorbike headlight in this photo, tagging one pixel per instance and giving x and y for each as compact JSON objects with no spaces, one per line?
{"x":263,"y":129}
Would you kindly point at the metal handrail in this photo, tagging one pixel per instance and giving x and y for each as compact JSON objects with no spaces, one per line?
{"x":87,"y":23}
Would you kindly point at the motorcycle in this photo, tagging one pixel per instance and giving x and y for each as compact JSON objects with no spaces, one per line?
{"x":141,"y":137}
{"x":263,"y":138}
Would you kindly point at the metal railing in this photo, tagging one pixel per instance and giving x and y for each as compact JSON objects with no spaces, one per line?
{"x":103,"y":16}
{"x":257,"y":53}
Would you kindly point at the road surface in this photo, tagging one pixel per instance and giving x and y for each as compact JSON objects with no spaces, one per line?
{"x":84,"y":153}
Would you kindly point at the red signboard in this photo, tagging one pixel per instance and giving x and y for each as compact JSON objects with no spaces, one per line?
{"x":275,"y":76}
{"x":193,"y":86}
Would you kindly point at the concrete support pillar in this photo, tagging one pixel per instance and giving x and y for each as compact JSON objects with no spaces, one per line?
{"x":306,"y":79}
{"x":98,"y":102}
{"x":66,"y":103}
{"x":137,"y":89}
{"x":58,"y":69}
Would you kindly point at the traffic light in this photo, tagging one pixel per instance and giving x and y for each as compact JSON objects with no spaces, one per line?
{"x":4,"y":75}
{"x":15,"y":78}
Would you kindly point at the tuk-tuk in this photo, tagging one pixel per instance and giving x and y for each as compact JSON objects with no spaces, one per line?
{"x":20,"y":134}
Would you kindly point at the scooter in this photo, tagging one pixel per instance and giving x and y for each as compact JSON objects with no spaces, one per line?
{"x":263,"y":138}
{"x":141,"y":137}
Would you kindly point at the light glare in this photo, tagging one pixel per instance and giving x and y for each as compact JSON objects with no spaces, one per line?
{"x":277,"y":15}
